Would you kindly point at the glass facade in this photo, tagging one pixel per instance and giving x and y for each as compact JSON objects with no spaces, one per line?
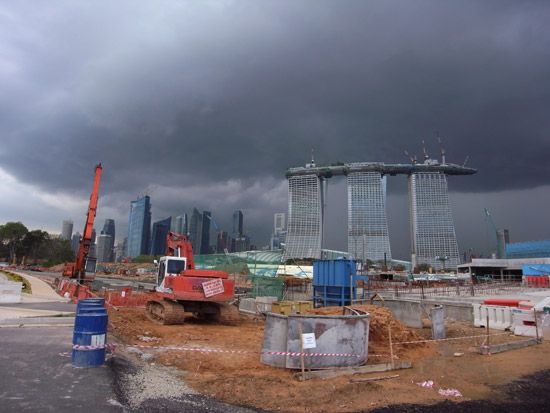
{"x":160,"y":232}
{"x":433,"y":237}
{"x":139,"y":228}
{"x":306,"y":201}
{"x":205,"y":238}
{"x":368,"y":236}
{"x":109,"y":229}
{"x":195,"y":231}
{"x":181,"y":224}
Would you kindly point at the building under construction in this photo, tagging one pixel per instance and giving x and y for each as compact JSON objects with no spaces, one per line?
{"x":433,"y":239}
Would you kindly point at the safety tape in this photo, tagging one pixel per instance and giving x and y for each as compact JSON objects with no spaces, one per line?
{"x":207,"y":350}
{"x":448,"y":339}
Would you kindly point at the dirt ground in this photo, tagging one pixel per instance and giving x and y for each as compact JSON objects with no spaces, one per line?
{"x":240,"y":378}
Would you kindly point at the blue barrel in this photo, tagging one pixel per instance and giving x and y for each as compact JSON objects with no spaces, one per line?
{"x":90,"y":329}
{"x":99,"y":302}
{"x":91,"y":310}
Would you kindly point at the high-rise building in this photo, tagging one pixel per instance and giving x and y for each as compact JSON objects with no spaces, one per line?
{"x":139,"y":228}
{"x":237,"y":228}
{"x":75,"y":242}
{"x":279,"y":231}
{"x":279,"y":221}
{"x":238,"y":223}
{"x":433,"y":237}
{"x":67,"y":230}
{"x":104,"y":250}
{"x":242,"y":244}
{"x":306,"y":209}
{"x":160,"y":232}
{"x":503,"y":237}
{"x":109,"y":229}
{"x":368,"y":236}
{"x":195,"y":231}
{"x":181,"y":226}
{"x":205,"y":237}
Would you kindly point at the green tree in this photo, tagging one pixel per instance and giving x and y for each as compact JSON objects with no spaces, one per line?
{"x":12,"y":235}
{"x":56,"y":251}
{"x":33,"y":241}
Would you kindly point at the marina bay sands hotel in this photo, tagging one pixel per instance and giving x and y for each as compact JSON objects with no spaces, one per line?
{"x":433,"y":238}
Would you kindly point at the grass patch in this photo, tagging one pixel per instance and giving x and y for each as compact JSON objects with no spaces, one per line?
{"x":17,"y":278}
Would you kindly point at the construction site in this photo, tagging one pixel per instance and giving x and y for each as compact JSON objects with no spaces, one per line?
{"x":391,"y":348}
{"x":238,"y":329}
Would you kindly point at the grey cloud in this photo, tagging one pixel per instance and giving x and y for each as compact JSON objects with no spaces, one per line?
{"x":198,"y":93}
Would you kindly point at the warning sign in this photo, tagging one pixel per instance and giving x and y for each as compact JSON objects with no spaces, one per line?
{"x":308,"y":340}
{"x":213,"y":287}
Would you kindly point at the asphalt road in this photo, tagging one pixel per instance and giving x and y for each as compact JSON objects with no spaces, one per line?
{"x":36,"y":375}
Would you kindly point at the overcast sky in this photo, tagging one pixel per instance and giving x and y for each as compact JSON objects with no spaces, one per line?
{"x":206,"y":104}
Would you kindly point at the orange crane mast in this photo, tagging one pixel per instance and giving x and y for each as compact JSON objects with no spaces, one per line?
{"x":83,"y":269}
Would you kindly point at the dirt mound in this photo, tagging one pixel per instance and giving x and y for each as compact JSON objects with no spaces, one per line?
{"x":381,"y":322}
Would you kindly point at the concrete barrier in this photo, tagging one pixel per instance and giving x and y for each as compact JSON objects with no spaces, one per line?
{"x":500,"y":317}
{"x":408,"y":312}
{"x":333,"y":334}
{"x":10,"y":292}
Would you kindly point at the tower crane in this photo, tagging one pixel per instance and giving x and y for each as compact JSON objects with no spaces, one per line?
{"x":443,"y":153}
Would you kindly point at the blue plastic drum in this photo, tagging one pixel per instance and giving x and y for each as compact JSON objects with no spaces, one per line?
{"x":90,"y":329}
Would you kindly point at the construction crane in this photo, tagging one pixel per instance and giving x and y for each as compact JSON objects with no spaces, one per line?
{"x":220,"y":236}
{"x":413,"y":159}
{"x":443,"y":153}
{"x":83,"y":269}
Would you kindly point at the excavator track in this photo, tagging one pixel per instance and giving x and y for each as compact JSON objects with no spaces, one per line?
{"x":229,"y":314}
{"x":165,"y":312}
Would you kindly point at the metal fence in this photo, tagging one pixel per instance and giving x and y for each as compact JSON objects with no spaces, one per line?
{"x":424,"y":290}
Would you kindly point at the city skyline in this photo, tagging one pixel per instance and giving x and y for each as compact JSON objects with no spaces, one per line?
{"x":215,"y":124}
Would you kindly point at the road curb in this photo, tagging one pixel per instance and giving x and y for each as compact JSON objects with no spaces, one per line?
{"x":37,"y":321}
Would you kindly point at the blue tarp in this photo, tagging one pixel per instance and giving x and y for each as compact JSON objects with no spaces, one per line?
{"x":536,"y":269}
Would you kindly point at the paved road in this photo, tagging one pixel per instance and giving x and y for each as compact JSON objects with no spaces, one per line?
{"x":34,"y":377}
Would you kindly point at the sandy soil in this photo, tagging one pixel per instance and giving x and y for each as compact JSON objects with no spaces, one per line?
{"x":242,"y":379}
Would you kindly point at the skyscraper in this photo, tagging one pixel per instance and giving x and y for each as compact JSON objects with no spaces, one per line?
{"x":109,"y":229}
{"x":139,"y":227}
{"x":160,"y":232}
{"x":67,"y":230}
{"x":195,"y":231}
{"x":368,"y":236}
{"x":181,"y":226}
{"x":433,"y":237}
{"x":237,"y":223}
{"x":205,"y":237}
{"x":104,"y":250}
{"x":237,"y":228}
{"x":279,"y":231}
{"x":306,"y":209}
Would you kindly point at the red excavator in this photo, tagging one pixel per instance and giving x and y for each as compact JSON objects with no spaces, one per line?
{"x":83,"y":269}
{"x":181,"y":288}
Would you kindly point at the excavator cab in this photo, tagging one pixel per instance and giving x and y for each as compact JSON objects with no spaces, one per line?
{"x":169,"y":266}
{"x":89,"y":268}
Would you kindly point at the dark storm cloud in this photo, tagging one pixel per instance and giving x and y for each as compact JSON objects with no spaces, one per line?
{"x":179,"y":94}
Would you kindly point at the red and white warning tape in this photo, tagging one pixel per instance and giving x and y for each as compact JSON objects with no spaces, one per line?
{"x":207,"y":350}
